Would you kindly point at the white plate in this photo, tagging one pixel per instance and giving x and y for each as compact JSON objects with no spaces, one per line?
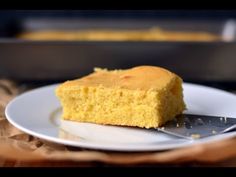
{"x":37,"y":112}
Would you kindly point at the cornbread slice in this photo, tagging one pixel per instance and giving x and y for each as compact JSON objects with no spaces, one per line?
{"x":144,"y":96}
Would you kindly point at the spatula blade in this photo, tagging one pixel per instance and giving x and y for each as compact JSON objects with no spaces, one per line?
{"x":192,"y":126}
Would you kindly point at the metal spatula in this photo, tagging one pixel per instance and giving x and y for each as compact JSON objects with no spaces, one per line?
{"x":198,"y":126}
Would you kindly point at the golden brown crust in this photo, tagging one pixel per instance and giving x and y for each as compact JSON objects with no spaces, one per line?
{"x":142,"y":77}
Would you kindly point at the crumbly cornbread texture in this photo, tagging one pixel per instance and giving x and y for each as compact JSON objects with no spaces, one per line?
{"x":143,"y":96}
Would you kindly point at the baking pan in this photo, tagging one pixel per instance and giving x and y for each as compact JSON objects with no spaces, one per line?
{"x":61,"y":60}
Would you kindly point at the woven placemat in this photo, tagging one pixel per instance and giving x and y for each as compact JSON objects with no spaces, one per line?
{"x":20,"y":149}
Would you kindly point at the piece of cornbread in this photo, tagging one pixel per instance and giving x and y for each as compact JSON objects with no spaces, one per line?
{"x":143,"y":96}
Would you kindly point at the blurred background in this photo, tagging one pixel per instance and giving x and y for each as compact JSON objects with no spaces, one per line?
{"x":49,"y":46}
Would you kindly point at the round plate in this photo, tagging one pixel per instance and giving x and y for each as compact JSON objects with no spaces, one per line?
{"x":38,"y":112}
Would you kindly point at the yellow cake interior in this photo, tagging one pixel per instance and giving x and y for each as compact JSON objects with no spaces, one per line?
{"x":144,"y":96}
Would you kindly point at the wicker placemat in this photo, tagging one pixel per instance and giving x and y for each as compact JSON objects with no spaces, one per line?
{"x":20,"y":149}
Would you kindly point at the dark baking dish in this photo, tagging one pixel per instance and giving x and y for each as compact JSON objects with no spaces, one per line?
{"x":61,"y":60}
